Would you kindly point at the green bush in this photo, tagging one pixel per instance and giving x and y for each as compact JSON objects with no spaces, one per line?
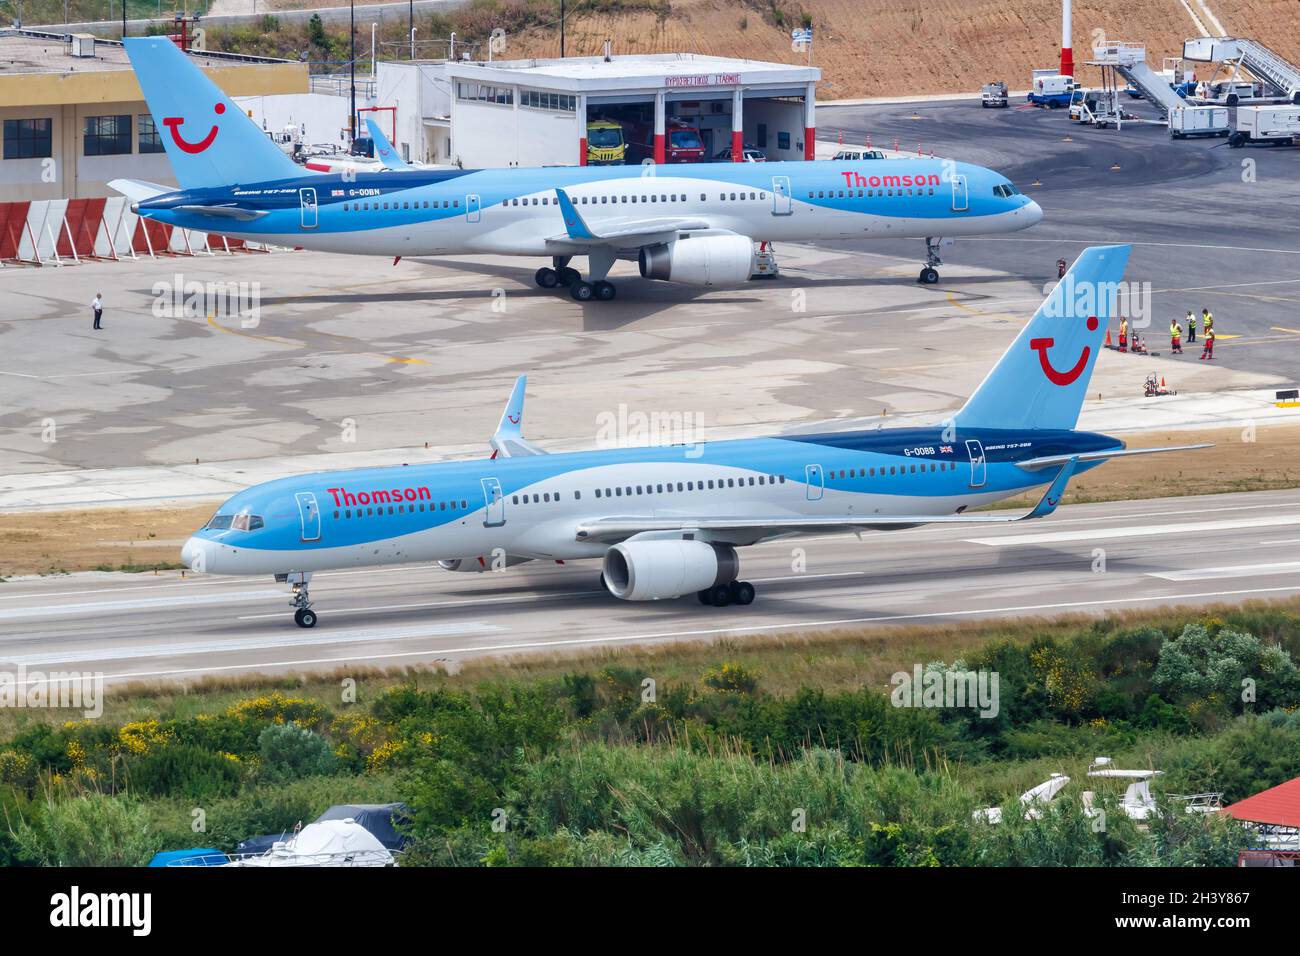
{"x":289,"y":752}
{"x":91,"y":830}
{"x":182,"y":770}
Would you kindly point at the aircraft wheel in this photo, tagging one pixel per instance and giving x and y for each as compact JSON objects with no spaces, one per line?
{"x":546,"y":277}
{"x":742,"y":593}
{"x":704,"y":597}
{"x":605,"y":290}
{"x":719,"y":595}
{"x":304,"y":617}
{"x":929,"y":275}
{"x":568,"y":276}
{"x":582,"y":291}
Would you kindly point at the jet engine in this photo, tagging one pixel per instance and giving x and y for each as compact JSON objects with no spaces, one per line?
{"x":654,"y":570}
{"x":702,"y":260}
{"x":480,"y":563}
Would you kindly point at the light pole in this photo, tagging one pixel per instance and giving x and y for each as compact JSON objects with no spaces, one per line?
{"x":352,"y":66}
{"x":561,"y":29}
{"x":411,"y":26}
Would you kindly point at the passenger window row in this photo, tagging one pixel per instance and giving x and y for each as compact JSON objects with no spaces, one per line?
{"x":405,"y":204}
{"x":401,"y":509}
{"x":934,"y":467}
{"x":869,"y":193}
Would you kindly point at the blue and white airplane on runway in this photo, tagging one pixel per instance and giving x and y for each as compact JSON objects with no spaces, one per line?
{"x":668,"y":521}
{"x":695,"y":224}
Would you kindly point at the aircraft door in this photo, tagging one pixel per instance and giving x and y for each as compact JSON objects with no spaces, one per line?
{"x":960,"y":194}
{"x":307,"y":204}
{"x":473,"y":208}
{"x":310,"y":515}
{"x":781,"y":199}
{"x":494,"y":504}
{"x":815,"y":480}
{"x":978,"y":467}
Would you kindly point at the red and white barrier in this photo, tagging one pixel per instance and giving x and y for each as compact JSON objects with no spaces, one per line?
{"x":68,"y":231}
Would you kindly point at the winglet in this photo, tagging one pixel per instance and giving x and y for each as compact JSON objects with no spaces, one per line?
{"x":573,"y":220}
{"x":1052,"y":497}
{"x":508,"y":442}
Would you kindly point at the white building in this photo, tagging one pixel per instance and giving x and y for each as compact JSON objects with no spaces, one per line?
{"x":535,"y":112}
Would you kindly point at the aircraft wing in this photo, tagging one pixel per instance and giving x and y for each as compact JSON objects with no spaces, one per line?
{"x":619,"y":529}
{"x":629,"y":232}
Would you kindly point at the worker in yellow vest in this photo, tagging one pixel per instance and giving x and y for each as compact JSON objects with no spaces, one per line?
{"x":1175,"y":337}
{"x":1123,"y":334}
{"x":1208,"y":351}
{"x":1207,"y":320}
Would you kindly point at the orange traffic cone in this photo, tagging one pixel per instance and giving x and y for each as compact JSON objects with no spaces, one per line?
{"x":1162,"y":381}
{"x":1108,"y":338}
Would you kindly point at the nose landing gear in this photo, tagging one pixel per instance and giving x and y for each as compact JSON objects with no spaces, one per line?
{"x":303,"y":615}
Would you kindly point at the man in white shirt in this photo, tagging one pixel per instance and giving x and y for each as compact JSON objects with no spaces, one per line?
{"x":97,"y":304}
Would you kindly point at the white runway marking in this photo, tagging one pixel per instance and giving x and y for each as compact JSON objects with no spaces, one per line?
{"x":112,"y":607}
{"x":1235,"y":571}
{"x":302,"y":639}
{"x":711,"y":632}
{"x":1138,"y":531}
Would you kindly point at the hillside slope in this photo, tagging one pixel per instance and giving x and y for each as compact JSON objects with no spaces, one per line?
{"x":896,"y":47}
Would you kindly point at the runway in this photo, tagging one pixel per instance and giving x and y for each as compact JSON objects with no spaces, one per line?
{"x":1089,"y":559}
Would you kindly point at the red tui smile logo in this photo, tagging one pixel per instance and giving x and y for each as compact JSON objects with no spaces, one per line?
{"x":1055,"y":376}
{"x":173,"y":123}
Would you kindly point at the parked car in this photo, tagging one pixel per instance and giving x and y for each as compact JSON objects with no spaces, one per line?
{"x":854,"y":155}
{"x":750,"y":154}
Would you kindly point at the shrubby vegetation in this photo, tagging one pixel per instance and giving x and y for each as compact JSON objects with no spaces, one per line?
{"x":589,"y":767}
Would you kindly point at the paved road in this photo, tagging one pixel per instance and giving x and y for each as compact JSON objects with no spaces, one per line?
{"x":1186,"y":551}
{"x":1205,"y":218}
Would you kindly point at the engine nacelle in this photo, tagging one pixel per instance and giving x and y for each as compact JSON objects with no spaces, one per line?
{"x":655,"y":570}
{"x":700,"y":260}
{"x":480,"y":563}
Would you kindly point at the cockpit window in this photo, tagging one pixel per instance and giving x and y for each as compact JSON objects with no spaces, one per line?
{"x":1005,"y":190}
{"x":239,"y":522}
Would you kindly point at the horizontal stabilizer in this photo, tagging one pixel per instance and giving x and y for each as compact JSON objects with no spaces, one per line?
{"x":137,"y":190}
{"x":1050,"y":461}
{"x":238,"y":213}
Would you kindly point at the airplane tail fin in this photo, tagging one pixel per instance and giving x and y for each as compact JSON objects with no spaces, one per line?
{"x":208,"y":139}
{"x":1041,"y":380}
{"x":384,"y":151}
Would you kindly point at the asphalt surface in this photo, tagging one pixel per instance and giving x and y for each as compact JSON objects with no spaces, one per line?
{"x":1211,"y":225}
{"x":1089,"y":559}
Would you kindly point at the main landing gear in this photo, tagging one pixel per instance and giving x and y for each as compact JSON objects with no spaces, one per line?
{"x":721,"y":595}
{"x":929,"y":274}
{"x":561,"y":274}
{"x":303,"y":615}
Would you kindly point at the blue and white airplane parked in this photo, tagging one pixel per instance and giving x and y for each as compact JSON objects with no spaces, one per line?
{"x":668,"y":521}
{"x":695,"y":224}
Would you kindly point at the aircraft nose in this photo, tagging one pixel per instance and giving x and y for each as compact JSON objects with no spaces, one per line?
{"x":196,"y":555}
{"x":1034,"y":213}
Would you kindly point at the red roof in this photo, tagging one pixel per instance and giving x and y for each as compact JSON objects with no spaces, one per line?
{"x":1278,"y":805}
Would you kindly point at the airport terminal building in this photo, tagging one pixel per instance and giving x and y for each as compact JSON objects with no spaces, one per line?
{"x":537,"y":112}
{"x":74,"y":117}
